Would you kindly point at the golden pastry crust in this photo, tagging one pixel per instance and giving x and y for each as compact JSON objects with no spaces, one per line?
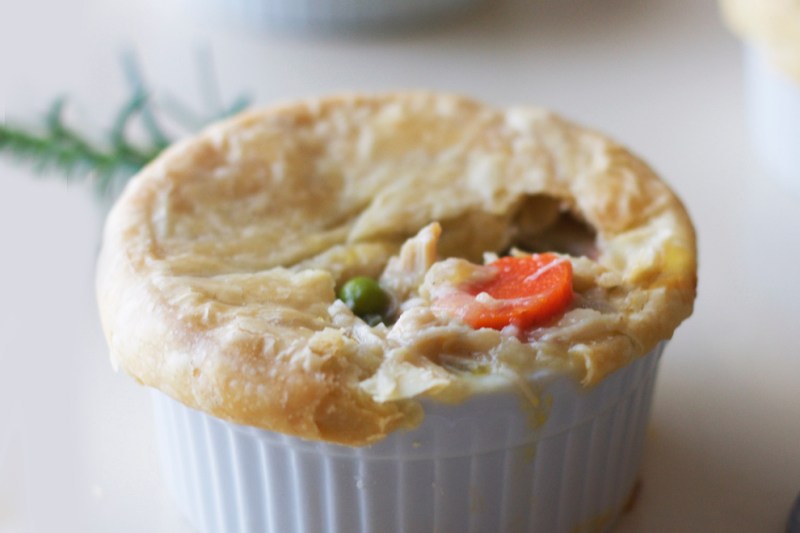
{"x":216,"y":280}
{"x":772,"y":25}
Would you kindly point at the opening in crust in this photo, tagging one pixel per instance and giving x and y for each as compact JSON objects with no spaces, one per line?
{"x":545,"y":224}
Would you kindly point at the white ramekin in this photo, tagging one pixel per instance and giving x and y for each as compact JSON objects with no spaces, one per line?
{"x":773,"y":109}
{"x":489,"y":465}
{"x":324,"y":14}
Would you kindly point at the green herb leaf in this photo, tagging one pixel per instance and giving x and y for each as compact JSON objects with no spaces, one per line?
{"x":109,"y":163}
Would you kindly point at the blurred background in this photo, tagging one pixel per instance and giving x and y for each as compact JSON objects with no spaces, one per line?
{"x":77,"y":451}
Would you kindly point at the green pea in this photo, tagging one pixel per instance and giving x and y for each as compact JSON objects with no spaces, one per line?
{"x":365,"y":298}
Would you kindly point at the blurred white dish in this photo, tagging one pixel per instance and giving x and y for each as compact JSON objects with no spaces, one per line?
{"x":325,"y":14}
{"x":773,"y":108}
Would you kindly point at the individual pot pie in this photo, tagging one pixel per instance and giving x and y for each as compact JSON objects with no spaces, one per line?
{"x":772,"y":25}
{"x":529,"y":271}
{"x":770,"y":30}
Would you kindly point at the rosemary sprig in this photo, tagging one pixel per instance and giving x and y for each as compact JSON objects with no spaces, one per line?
{"x":136,"y":80}
{"x":47,"y":152}
{"x":56,"y":147}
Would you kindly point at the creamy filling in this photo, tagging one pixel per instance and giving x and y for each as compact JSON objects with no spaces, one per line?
{"x":431,"y":352}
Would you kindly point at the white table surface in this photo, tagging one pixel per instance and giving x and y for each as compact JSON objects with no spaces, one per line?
{"x":663,"y":76}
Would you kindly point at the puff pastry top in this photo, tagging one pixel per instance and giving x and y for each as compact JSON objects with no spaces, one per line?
{"x":773,"y":25}
{"x":217,"y":275}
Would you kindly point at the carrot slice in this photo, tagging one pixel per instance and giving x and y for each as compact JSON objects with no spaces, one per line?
{"x":524,"y":292}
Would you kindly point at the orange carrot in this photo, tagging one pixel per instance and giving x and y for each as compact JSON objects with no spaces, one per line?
{"x":524,"y":292}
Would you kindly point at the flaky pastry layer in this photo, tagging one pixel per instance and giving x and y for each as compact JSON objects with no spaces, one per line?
{"x":220,"y":261}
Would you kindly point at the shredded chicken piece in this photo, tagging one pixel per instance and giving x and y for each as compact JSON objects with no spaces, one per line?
{"x":404,"y":273}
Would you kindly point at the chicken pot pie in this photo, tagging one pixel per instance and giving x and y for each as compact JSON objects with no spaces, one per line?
{"x":222,"y":261}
